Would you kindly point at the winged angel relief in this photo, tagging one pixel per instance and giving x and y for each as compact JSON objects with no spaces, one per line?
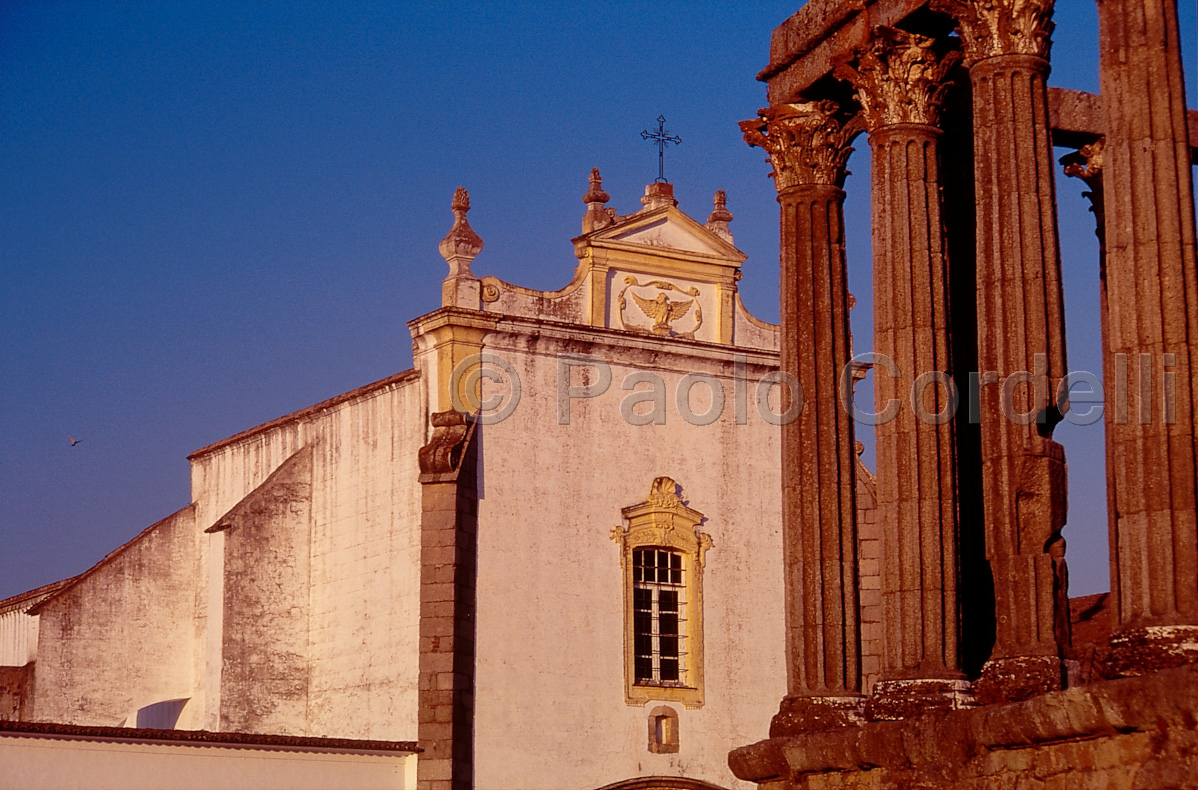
{"x":663,"y":310}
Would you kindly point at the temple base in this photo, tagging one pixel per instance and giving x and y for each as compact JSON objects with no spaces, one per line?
{"x":797,"y":715}
{"x":1138,"y":651}
{"x":1018,"y":678}
{"x":892,"y":700}
{"x":1137,"y":732}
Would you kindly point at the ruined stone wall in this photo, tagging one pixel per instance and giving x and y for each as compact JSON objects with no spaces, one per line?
{"x":121,"y":637}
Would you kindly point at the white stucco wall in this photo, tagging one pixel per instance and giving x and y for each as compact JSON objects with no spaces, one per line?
{"x":551,"y":710}
{"x":18,"y":638}
{"x":364,"y":569}
{"x":119,"y":638}
{"x":34,"y":762}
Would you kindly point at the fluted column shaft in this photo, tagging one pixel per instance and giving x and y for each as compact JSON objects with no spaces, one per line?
{"x":1021,"y":340}
{"x":818,"y":462}
{"x":1152,"y":303}
{"x":899,"y":78}
{"x":1021,"y":327}
{"x":808,"y":146}
{"x":917,"y":493}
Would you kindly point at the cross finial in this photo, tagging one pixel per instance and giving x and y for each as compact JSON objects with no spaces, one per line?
{"x":661,"y":139}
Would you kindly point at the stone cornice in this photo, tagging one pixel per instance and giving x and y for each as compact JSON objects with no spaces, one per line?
{"x":900,"y":78}
{"x":808,"y":143}
{"x":1001,"y":27}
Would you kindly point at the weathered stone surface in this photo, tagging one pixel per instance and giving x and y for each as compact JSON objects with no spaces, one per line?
{"x":15,"y":685}
{"x":1137,"y":732}
{"x":808,"y":146}
{"x":1152,"y":304}
{"x":1021,"y":330}
{"x":448,"y":563}
{"x":107,"y":645}
{"x":266,"y":591}
{"x":900,"y":79}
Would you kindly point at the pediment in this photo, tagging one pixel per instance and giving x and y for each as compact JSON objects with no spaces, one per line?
{"x":669,"y":228}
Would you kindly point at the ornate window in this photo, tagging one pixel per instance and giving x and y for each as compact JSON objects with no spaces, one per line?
{"x":662,"y":553}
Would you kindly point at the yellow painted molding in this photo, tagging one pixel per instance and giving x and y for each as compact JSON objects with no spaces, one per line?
{"x":663,"y":521}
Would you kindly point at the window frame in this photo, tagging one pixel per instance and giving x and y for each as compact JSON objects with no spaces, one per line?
{"x":664,"y":523}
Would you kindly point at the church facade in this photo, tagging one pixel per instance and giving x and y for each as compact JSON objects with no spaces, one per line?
{"x":550,"y":553}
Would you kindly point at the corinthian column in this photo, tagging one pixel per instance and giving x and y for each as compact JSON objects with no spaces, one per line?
{"x":1152,"y":321}
{"x":899,"y":79}
{"x":808,"y":146}
{"x":1021,"y":338}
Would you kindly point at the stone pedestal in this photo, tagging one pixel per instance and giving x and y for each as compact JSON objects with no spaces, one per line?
{"x":808,"y":146}
{"x":1152,"y":322}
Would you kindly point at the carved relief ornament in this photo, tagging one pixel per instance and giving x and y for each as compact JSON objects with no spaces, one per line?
{"x":1001,"y":27}
{"x":808,"y":143}
{"x":900,"y":78}
{"x":662,"y":310}
{"x":663,"y":520}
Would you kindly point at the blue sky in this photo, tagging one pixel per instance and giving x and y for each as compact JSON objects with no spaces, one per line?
{"x":214,"y":214}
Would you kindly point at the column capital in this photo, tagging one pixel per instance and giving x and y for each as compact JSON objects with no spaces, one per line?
{"x":808,"y":143}
{"x":1001,"y":27}
{"x":899,"y":78}
{"x":1086,"y":163}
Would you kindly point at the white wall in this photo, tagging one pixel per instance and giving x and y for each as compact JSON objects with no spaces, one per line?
{"x":58,"y":763}
{"x":551,"y":710}
{"x":18,"y":638}
{"x":365,"y":543}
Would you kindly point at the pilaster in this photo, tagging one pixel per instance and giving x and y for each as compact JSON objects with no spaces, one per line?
{"x":808,"y":146}
{"x":448,"y":570}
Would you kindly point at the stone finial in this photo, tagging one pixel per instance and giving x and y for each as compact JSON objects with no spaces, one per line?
{"x":1001,"y":27}
{"x":461,"y":245}
{"x":717,"y":221}
{"x":597,"y":216}
{"x":596,"y":194}
{"x":808,"y":143}
{"x":900,"y":78}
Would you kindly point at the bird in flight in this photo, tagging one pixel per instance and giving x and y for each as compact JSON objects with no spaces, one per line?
{"x":73,"y":441}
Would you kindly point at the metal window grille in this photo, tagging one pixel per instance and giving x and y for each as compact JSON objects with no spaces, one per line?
{"x":659,"y":617}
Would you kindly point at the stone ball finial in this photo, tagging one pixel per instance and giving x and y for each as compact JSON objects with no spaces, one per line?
{"x":596,"y":194}
{"x":717,"y":221}
{"x":720,"y":213}
{"x":597,"y":217}
{"x":461,"y":245}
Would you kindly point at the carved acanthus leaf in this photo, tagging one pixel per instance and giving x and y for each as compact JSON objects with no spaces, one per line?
{"x":808,"y":143}
{"x":1086,"y":163}
{"x":900,"y":78}
{"x":1001,"y":27}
